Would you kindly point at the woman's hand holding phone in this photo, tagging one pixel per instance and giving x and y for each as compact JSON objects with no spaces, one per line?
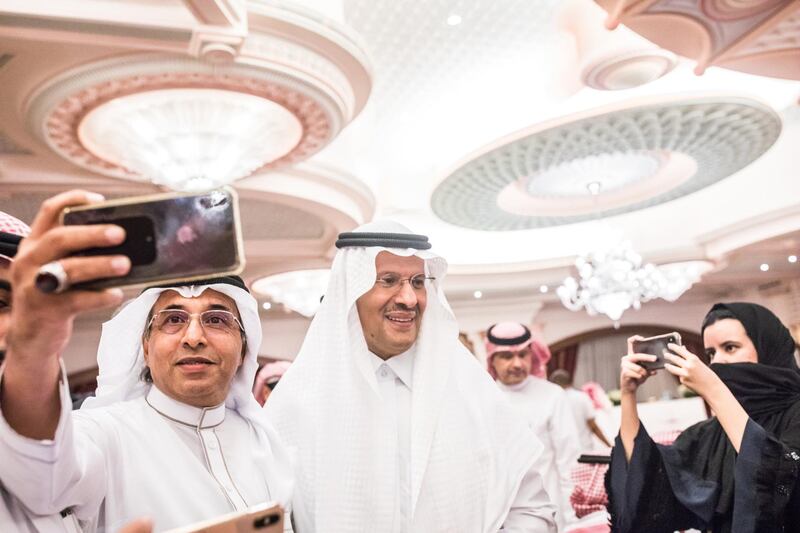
{"x":632,"y":373}
{"x":691,"y":371}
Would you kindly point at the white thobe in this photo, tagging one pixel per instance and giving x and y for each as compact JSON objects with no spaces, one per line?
{"x":582,"y":411}
{"x":152,"y":456}
{"x":15,"y":518}
{"x":545,"y":408}
{"x":394,"y":377}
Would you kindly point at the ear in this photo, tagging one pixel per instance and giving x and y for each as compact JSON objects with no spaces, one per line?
{"x":145,"y":349}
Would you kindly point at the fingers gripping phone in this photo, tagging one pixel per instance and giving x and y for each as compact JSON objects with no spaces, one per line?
{"x":656,"y":346}
{"x":265,"y":518}
{"x":169,"y":237}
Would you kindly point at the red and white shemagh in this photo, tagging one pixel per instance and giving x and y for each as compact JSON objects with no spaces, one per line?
{"x":13,"y":225}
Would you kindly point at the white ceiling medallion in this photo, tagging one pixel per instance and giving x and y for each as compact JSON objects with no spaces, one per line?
{"x":606,"y":162}
{"x":625,"y":71}
{"x":187,"y":124}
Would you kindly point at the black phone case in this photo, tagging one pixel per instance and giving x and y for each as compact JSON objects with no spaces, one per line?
{"x":655,"y":347}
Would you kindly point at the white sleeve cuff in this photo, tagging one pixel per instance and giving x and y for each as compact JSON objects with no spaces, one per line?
{"x":46,"y":450}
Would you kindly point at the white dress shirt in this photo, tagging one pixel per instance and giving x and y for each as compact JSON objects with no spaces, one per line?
{"x":394,"y":378}
{"x":394,"y":383}
{"x":152,"y":456}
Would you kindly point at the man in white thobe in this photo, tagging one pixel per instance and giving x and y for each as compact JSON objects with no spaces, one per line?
{"x":394,"y":426}
{"x":174,"y":432}
{"x":512,"y":358}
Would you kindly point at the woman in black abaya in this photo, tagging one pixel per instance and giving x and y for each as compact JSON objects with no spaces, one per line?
{"x":734,"y":473}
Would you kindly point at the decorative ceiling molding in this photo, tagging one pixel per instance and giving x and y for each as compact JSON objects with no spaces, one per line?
{"x":339,"y":198}
{"x":693,"y":141}
{"x":612,"y":60}
{"x":759,"y":37}
{"x":9,"y":147}
{"x":55,"y":112}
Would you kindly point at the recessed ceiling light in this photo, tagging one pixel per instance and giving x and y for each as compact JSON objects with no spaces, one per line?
{"x":454,"y":20}
{"x":266,"y":306}
{"x":764,"y":267}
{"x":477,"y":294}
{"x":792,"y":259}
{"x":543,"y":289}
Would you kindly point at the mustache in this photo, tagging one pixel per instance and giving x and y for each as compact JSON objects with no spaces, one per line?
{"x":404,"y":308}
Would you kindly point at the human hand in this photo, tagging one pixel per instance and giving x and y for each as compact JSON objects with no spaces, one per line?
{"x":142,"y":525}
{"x":632,"y":374}
{"x":41,"y":323}
{"x":691,"y":371}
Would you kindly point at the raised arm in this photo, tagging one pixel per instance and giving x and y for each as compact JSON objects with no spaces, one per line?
{"x":41,"y":324}
{"x":632,"y":375}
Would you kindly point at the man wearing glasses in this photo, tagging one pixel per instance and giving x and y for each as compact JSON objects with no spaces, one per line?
{"x":394,"y":425}
{"x":174,"y":432}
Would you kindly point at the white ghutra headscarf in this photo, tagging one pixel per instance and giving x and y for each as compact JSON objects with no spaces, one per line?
{"x":120,"y":360}
{"x":469,"y":452}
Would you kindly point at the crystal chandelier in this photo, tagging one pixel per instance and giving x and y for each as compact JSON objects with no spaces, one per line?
{"x":190,"y":139}
{"x":613,"y":280}
{"x":298,"y":290}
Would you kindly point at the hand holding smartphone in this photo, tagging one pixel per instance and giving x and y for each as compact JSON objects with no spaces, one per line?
{"x":656,"y":346}
{"x":169,"y":237}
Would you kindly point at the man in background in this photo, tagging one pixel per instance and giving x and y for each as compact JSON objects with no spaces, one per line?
{"x":267,"y":378}
{"x":513,"y":358}
{"x":582,"y":410}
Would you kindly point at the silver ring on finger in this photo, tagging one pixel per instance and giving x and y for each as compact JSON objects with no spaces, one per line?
{"x":52,"y":278}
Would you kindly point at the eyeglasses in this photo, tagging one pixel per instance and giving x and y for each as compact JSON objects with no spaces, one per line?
{"x":393,"y":281}
{"x":171,"y":321}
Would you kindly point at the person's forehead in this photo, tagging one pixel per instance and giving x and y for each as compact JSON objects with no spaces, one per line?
{"x":389,"y":262}
{"x":723,"y":330}
{"x":206,"y":300}
{"x":526,"y":350}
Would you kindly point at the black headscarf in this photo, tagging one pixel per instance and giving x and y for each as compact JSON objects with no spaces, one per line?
{"x":702,"y":457}
{"x":236,"y":281}
{"x":773,"y":385}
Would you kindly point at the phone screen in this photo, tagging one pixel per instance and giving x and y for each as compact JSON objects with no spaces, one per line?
{"x":180,"y":237}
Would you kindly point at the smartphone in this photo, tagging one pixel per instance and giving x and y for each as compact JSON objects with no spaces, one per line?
{"x":264,"y":518}
{"x":595,"y":459}
{"x":169,"y":237}
{"x":656,"y":346}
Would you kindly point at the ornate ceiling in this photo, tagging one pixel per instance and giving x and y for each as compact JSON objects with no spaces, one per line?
{"x":759,"y":36}
{"x":454,"y":117}
{"x":611,"y":162}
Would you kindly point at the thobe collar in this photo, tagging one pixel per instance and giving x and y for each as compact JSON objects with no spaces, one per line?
{"x":197,"y":417}
{"x":514,"y":388}
{"x":402,"y":365}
